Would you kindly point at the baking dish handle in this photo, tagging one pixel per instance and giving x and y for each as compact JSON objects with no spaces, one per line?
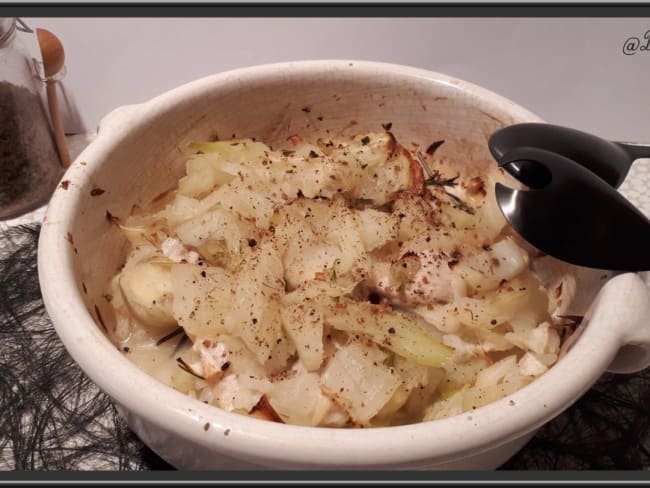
{"x":118,"y":117}
{"x":634,"y":320}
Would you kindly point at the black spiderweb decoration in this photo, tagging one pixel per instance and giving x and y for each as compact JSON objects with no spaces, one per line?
{"x":54,"y":418}
{"x":608,"y":428}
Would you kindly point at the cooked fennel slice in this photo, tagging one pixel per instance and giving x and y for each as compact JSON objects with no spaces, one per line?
{"x":357,"y":379}
{"x":389,"y":329}
{"x":303,"y":324}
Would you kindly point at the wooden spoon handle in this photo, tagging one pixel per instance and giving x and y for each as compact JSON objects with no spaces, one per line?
{"x":59,"y":134}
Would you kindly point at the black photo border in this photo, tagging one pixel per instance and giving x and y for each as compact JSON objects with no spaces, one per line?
{"x":340,"y":9}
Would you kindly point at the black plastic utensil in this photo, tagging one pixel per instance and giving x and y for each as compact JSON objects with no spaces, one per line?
{"x":571,"y":213}
{"x":609,"y":160}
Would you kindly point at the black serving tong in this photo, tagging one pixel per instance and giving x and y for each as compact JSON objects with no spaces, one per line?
{"x":609,"y":160}
{"x":571,"y":209}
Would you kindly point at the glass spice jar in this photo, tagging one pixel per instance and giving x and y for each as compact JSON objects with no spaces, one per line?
{"x":30,"y":168}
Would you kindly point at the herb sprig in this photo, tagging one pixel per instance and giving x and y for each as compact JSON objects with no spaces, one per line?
{"x":438,"y":180}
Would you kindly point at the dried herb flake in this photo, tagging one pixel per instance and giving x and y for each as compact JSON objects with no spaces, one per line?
{"x":177,"y":331}
{"x":188,"y":369}
{"x":434,"y":146}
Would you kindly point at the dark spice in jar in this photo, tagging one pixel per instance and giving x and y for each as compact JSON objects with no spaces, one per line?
{"x":29,"y":164}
